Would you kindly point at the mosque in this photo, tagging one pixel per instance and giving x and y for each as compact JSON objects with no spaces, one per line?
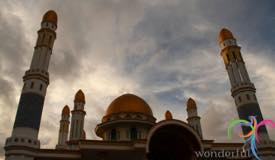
{"x":128,"y":130}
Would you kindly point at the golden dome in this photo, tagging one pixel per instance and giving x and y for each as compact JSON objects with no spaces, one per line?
{"x":129,"y":103}
{"x":79,"y":96}
{"x":225,"y":34}
{"x":66,"y":110}
{"x":50,"y":16}
{"x":191,"y":104}
{"x":168,"y":115}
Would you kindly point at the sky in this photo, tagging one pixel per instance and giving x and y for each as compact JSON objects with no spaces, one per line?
{"x":163,"y":51}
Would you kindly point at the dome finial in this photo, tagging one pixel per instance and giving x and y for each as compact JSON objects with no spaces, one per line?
{"x":191,"y":104}
{"x":168,"y":115}
{"x":225,"y":34}
{"x":50,"y":16}
{"x":79,"y":96}
{"x":66,"y":110}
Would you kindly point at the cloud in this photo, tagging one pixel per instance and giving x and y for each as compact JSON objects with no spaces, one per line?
{"x":165,"y":52}
{"x":216,"y":118}
{"x":12,"y":46}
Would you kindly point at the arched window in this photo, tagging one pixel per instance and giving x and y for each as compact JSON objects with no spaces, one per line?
{"x":133,"y":133}
{"x":113,"y":135}
{"x":76,"y":125}
{"x":240,"y":99}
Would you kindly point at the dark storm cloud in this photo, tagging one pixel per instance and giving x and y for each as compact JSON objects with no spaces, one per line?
{"x":173,"y":95}
{"x":7,"y":92}
{"x":7,"y":105}
{"x":50,"y":130}
{"x":218,"y":124}
{"x":83,"y":25}
{"x":172,"y":28}
{"x":13,"y":45}
{"x":252,"y":21}
{"x":65,"y":65}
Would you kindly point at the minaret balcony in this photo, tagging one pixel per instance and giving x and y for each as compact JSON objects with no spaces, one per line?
{"x":37,"y":74}
{"x":22,"y":141}
{"x":243,"y":86}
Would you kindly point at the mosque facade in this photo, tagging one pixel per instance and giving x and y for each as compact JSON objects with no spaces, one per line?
{"x":128,"y":130}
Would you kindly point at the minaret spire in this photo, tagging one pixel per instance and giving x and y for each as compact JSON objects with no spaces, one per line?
{"x":78,"y":115}
{"x":64,"y":128}
{"x":242,"y":89}
{"x":193,"y":118}
{"x":36,"y":80}
{"x":168,"y":115}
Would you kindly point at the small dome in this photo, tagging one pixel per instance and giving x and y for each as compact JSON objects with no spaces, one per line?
{"x":66,"y":110}
{"x":225,"y":34}
{"x":168,"y":115}
{"x":191,"y":104}
{"x":79,"y":96}
{"x":129,"y":103}
{"x":50,"y":16}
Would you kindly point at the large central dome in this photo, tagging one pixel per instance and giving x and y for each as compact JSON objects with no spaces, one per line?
{"x":129,"y":103}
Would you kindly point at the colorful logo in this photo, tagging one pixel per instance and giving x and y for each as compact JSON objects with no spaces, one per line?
{"x":252,"y":138}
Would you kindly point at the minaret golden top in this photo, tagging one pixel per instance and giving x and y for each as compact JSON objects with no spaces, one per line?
{"x":79,"y":96}
{"x":225,"y":34}
{"x":191,"y":104}
{"x":168,"y":115}
{"x":66,"y":110}
{"x":50,"y":16}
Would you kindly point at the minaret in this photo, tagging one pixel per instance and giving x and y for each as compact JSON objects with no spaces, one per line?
{"x":78,"y":114}
{"x":64,"y":128}
{"x":193,"y":118}
{"x":168,"y":115}
{"x":242,"y":89}
{"x":36,"y":80}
